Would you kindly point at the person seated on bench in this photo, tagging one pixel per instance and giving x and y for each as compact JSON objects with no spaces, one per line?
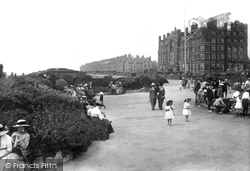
{"x":219,"y":104}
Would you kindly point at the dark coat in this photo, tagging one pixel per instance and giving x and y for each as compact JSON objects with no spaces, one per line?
{"x":209,"y":93}
{"x":153,"y":93}
{"x":197,"y":86}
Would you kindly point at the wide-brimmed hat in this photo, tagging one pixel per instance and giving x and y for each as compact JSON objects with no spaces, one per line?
{"x":3,"y":131}
{"x":101,"y":92}
{"x":187,"y":99}
{"x":153,"y":84}
{"x":21,"y":123}
{"x":168,"y":102}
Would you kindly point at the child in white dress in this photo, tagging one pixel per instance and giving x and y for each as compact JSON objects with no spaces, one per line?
{"x":169,"y":114}
{"x":238,"y":105}
{"x":186,"y":108}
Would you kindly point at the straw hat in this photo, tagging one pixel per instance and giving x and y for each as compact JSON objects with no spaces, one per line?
{"x":3,"y":131}
{"x":168,"y":102}
{"x":188,"y":99}
{"x":21,"y":123}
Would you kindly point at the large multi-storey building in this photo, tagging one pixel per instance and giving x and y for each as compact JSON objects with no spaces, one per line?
{"x":208,"y":49}
{"x":122,"y":64}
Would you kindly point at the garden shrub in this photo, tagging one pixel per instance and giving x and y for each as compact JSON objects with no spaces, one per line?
{"x":60,"y":84}
{"x":58,"y":121}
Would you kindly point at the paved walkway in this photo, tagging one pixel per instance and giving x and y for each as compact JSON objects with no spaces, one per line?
{"x":144,"y":142}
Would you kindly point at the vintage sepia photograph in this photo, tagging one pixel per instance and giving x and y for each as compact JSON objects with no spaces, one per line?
{"x":124,"y":85}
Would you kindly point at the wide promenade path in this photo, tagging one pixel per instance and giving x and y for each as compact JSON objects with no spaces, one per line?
{"x":144,"y":142}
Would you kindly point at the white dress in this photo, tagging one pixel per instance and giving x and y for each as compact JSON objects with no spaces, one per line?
{"x":5,"y":145}
{"x":238,"y":104}
{"x":169,"y":114}
{"x":186,"y":109}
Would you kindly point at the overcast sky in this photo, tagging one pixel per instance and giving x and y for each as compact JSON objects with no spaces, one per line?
{"x":40,"y":34}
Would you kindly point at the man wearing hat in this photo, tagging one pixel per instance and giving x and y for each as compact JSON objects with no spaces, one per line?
{"x":153,"y":95}
{"x":21,"y":138}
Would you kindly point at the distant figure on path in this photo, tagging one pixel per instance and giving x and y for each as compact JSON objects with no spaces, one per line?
{"x":197,"y":87}
{"x":101,"y":99}
{"x":153,"y":96}
{"x":209,"y":95}
{"x":161,"y":96}
{"x":186,"y":108}
{"x":169,"y":114}
{"x":245,"y":103}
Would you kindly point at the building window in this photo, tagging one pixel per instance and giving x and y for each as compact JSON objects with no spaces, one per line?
{"x":229,"y":40}
{"x":207,"y":56}
{"x":213,"y":67}
{"x":222,"y":48}
{"x":241,"y":41}
{"x":222,"y":33}
{"x":213,"y":48}
{"x":213,"y":56}
{"x":221,"y":67}
{"x":222,"y":40}
{"x":240,"y":34}
{"x":207,"y":47}
{"x":235,"y":49}
{"x":234,"y":33}
{"x":229,"y":56}
{"x":213,"y":32}
{"x":202,"y":56}
{"x":201,"y":67}
{"x":202,"y":48}
{"x":213,"y":40}
{"x":241,"y":49}
{"x":235,"y":56}
{"x":222,"y":56}
{"x":228,"y":33}
{"x":235,"y":40}
{"x":229,"y":49}
{"x":241,"y":56}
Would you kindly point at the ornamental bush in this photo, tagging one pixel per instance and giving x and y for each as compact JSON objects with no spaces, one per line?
{"x":58,"y":121}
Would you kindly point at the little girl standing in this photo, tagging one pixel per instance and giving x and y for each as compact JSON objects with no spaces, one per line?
{"x":169,"y":114}
{"x":186,"y":108}
{"x":238,"y":105}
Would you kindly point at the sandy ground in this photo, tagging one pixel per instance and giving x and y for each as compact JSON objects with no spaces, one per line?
{"x":143,"y":140}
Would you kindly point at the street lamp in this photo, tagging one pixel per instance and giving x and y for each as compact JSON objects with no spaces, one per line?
{"x":185,"y":47}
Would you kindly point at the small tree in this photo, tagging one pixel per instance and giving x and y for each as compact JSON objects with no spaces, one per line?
{"x":60,"y":84}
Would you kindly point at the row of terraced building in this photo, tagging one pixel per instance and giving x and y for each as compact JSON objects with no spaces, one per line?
{"x":122,"y":64}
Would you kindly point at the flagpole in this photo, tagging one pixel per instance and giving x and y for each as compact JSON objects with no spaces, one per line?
{"x":185,"y":41}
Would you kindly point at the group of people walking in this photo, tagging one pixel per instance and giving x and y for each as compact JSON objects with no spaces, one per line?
{"x":157,"y":93}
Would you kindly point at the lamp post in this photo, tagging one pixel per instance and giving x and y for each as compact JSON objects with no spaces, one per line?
{"x":185,"y":47}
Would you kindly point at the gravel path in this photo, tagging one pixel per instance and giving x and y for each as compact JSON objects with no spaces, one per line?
{"x":144,"y":142}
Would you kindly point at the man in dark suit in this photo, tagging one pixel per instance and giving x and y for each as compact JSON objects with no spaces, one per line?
{"x":209,"y":95}
{"x":197,"y":86}
{"x":153,"y":95}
